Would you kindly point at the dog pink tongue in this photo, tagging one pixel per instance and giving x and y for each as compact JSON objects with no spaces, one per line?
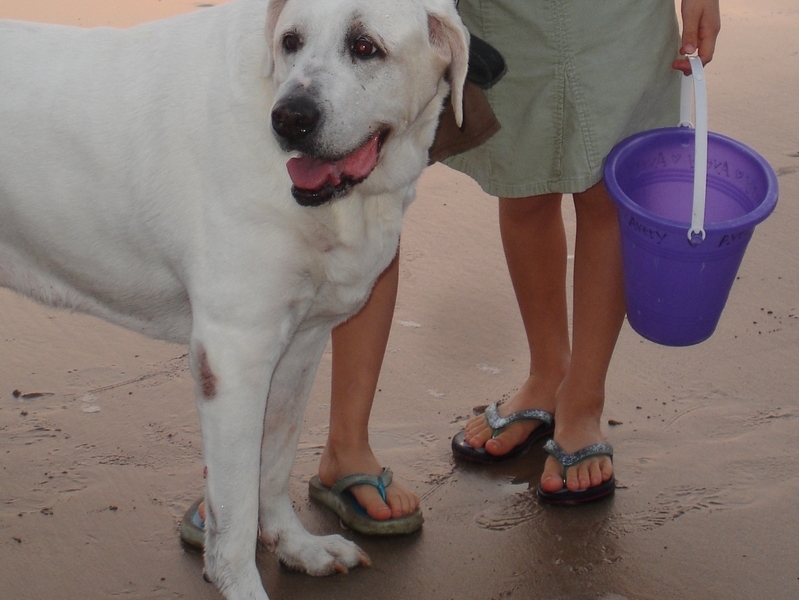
{"x":309,"y":173}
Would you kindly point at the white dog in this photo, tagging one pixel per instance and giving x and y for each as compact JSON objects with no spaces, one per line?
{"x":198,"y":181}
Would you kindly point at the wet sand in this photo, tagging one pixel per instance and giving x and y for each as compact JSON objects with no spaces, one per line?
{"x":100,"y":443}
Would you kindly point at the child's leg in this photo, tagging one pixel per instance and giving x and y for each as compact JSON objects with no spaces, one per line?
{"x":597,"y":319}
{"x":534,"y":241}
{"x":358,"y":349}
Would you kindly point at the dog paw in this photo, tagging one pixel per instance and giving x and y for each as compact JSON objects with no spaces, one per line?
{"x":236,"y":582}
{"x":319,"y":555}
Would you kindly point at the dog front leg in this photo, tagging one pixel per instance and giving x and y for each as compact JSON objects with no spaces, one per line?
{"x":232,"y":370}
{"x":281,"y":529}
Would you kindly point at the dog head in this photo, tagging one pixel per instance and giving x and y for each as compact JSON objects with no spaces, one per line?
{"x":359,"y":87}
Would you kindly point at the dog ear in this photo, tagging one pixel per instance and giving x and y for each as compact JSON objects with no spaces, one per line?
{"x":450,"y":38}
{"x":273,"y":11}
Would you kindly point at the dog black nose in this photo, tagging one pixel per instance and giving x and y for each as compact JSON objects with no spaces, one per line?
{"x":295,"y":118}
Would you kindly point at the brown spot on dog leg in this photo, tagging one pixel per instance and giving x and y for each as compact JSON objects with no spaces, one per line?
{"x":207,"y":378}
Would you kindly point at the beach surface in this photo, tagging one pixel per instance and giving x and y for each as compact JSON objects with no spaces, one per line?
{"x":100,"y":449}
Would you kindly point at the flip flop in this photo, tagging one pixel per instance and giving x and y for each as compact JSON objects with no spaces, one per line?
{"x":463,"y":450}
{"x":564,"y":495}
{"x":192,"y":526}
{"x":341,"y":501}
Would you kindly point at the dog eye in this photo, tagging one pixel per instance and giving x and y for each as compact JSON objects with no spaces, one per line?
{"x":364,"y":48}
{"x":291,"y":43}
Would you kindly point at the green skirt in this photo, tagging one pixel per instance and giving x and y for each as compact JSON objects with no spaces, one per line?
{"x":582,"y":75}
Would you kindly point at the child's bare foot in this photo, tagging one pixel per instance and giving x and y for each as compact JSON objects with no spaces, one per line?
{"x":478,"y":433}
{"x":586,"y":474}
{"x":340,"y":462}
{"x":572,"y":435}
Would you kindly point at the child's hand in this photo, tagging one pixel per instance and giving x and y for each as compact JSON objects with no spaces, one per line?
{"x":701,"y":23}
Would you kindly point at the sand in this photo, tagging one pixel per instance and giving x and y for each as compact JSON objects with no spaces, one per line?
{"x":100,"y":443}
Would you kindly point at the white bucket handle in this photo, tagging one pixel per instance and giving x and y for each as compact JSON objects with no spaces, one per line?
{"x":694,"y":89}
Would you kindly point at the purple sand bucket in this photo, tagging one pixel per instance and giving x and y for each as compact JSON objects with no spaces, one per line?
{"x":683,"y":237}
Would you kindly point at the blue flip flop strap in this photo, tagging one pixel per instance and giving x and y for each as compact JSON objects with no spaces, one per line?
{"x":497,"y":423}
{"x":381,"y":482}
{"x":569,"y":460}
{"x":197,"y":520}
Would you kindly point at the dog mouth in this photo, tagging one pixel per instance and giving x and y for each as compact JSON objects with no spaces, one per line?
{"x":317,"y":181}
